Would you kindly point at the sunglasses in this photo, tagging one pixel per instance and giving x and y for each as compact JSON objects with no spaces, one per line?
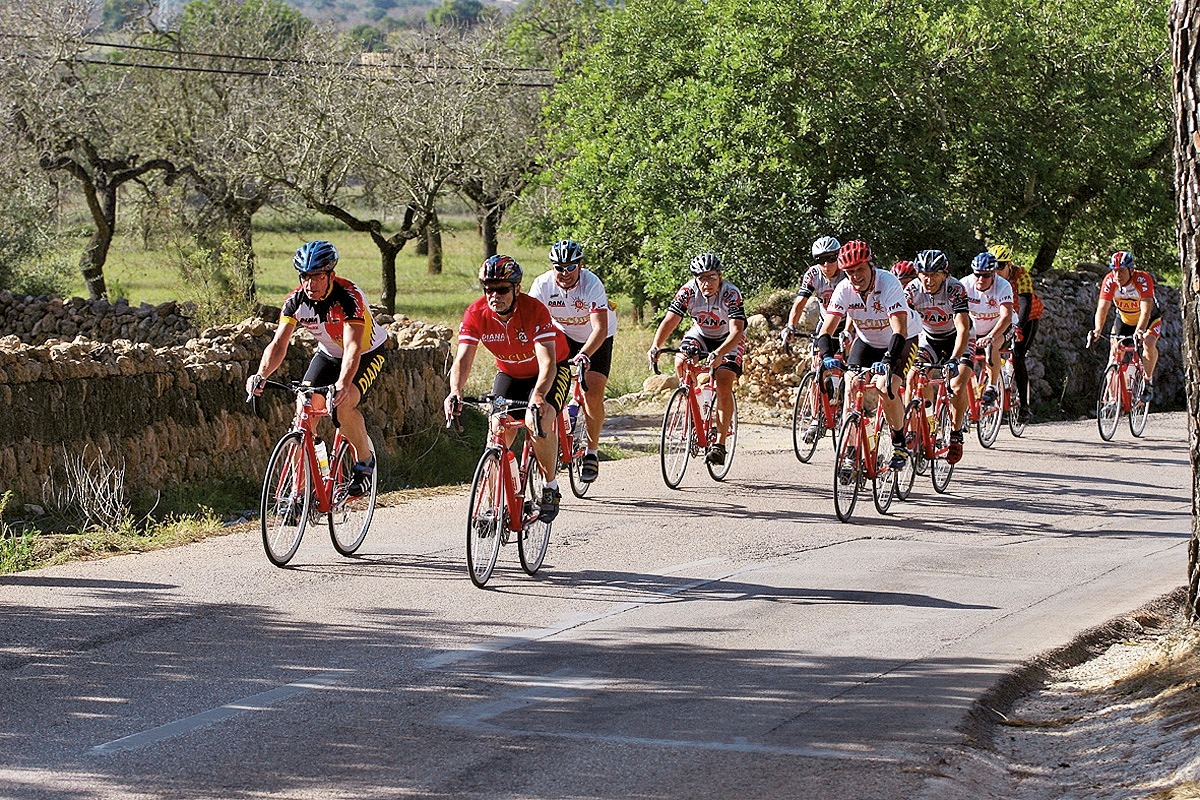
{"x":308,"y":276}
{"x":497,"y":288}
{"x":565,"y":267}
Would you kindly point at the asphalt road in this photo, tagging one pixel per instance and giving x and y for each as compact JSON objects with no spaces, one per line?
{"x":718,"y":641}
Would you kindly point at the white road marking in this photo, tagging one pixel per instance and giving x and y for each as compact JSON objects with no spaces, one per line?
{"x":255,"y":702}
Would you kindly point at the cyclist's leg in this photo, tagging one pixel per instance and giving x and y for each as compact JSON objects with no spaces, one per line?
{"x":545,"y":448}
{"x":1020,"y":371}
{"x":1150,"y":348}
{"x":726,"y":376}
{"x":593,"y":398}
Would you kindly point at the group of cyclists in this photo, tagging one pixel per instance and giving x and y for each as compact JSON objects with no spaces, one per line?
{"x":872,"y":318}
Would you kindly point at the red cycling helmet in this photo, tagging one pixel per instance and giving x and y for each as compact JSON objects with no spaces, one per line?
{"x":853,"y":253}
{"x":904,"y":270}
{"x":1121,"y":260}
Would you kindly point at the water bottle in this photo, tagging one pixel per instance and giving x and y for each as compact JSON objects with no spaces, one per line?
{"x":706,"y":397}
{"x":322,"y":457}
{"x":572,"y":416}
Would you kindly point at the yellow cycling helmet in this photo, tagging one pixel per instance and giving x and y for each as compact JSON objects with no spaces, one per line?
{"x":1002,"y":252}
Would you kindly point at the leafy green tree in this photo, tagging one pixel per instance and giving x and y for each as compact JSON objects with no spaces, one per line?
{"x":459,"y":13}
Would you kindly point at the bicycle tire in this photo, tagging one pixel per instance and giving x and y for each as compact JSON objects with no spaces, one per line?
{"x":349,"y":517}
{"x":719,"y":472}
{"x":579,"y":443}
{"x":913,"y":435}
{"x":990,"y":418}
{"x":803,"y":417}
{"x":487,"y":517}
{"x":883,"y":485}
{"x":847,"y":469}
{"x":286,"y":499}
{"x":675,"y":444}
{"x":1016,"y":425}
{"x":1139,"y":409}
{"x":1108,"y":406}
{"x":940,"y":469}
{"x":534,"y":536}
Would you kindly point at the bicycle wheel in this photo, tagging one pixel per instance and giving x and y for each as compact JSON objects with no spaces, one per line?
{"x":349,"y":517}
{"x":847,"y":469}
{"x":535,"y":534}
{"x":940,"y":469}
{"x":803,"y":417}
{"x":286,"y":499}
{"x":720,"y":471}
{"x":990,"y":417}
{"x":675,"y":446}
{"x":1108,"y":407}
{"x":487,"y":517}
{"x":1015,"y":423}
{"x":913,"y":419}
{"x":579,"y":445}
{"x":883,"y":485}
{"x":1140,"y":409}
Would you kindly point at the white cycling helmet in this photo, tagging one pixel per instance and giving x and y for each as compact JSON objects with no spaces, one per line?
{"x":826,"y":248}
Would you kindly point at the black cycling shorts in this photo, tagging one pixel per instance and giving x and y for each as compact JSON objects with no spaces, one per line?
{"x":324,"y":370}
{"x":510,"y":388}
{"x":601,"y":360}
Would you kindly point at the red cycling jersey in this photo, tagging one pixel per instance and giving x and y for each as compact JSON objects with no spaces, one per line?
{"x":511,"y":342}
{"x":1128,"y":298}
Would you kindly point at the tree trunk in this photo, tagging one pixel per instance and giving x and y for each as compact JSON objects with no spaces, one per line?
{"x":102,"y":202}
{"x":241,"y":228}
{"x":433,"y":238}
{"x":1185,"y":42}
{"x":488,"y":225}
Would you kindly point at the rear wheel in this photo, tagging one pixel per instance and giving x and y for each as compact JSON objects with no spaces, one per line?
{"x":349,"y":517}
{"x":286,"y":499}
{"x":990,"y":417}
{"x":803,"y":417}
{"x":1108,"y":407}
{"x":1016,"y":422}
{"x":1139,"y":409}
{"x":720,"y":471}
{"x":916,"y":449}
{"x":675,"y":446}
{"x":940,"y":469}
{"x":535,"y":534}
{"x":487,"y":517}
{"x":847,"y":469}
{"x":578,"y":445}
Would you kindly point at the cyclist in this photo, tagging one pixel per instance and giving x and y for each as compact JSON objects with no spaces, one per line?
{"x":349,"y":353}
{"x":905,"y":271}
{"x":1029,"y":310}
{"x":1132,"y":292}
{"x":579,"y":305}
{"x":819,"y":280}
{"x":715,"y":305}
{"x":990,"y":300}
{"x":885,"y":333}
{"x":941,"y":302}
{"x":531,"y":359}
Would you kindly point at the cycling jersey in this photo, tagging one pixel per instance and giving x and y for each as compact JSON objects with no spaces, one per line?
{"x":326,"y":318}
{"x":1128,"y":298}
{"x":711,"y":315}
{"x":572,"y":308}
{"x":1022,"y":283}
{"x":512,"y":341}
{"x":937,"y":310}
{"x":814,"y":283}
{"x":872,"y":311}
{"x":985,"y":306}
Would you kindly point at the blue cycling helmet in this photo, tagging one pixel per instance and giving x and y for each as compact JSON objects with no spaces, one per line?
{"x":984,"y":263}
{"x":566,"y":252}
{"x":318,"y":256}
{"x":931,"y":261}
{"x":1121,"y":260}
{"x":500,"y":268}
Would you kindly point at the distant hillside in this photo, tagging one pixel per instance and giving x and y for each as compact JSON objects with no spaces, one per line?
{"x":348,"y":13}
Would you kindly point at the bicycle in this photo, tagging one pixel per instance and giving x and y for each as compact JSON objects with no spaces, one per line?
{"x":864,"y":452}
{"x":986,"y":417}
{"x":299,"y":486}
{"x":927,"y":431}
{"x":505,"y":495}
{"x":690,"y":404}
{"x":816,"y":401}
{"x":1010,"y":398}
{"x":1121,"y":388}
{"x":573,"y":433}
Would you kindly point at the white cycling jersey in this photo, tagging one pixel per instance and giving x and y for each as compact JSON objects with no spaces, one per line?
{"x":985,"y":306}
{"x":572,"y":308}
{"x":872,"y":311}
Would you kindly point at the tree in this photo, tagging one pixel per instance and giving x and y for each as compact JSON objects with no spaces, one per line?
{"x":459,"y":13}
{"x":1185,"y":45}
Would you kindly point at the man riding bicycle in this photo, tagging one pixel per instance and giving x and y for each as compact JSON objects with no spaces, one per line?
{"x":1029,"y":312}
{"x":885,"y":333}
{"x":716,"y":307}
{"x":990,"y":302}
{"x":941,"y":302}
{"x":580,"y":308}
{"x":1132,"y":292}
{"x":531,"y":359}
{"x":349,"y":352}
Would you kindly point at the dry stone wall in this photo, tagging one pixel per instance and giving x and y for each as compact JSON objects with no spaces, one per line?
{"x":177,"y":415}
{"x":37,"y":320}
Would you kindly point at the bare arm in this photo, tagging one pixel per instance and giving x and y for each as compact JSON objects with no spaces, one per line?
{"x":546,"y":371}
{"x":351,"y":354}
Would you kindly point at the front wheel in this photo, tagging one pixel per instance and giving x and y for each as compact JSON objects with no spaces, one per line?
{"x":535,"y":534}
{"x":1108,"y":407}
{"x":487,"y":517}
{"x":883,"y":485}
{"x":913,"y":437}
{"x":940,"y":469}
{"x":1016,"y":420}
{"x":286,"y":499}
{"x":803,"y":418}
{"x":990,"y":417}
{"x":720,"y":471}
{"x":578,"y":445}
{"x":848,"y":473}
{"x":675,"y":446}
{"x":349,"y":517}
{"x":1139,"y":409}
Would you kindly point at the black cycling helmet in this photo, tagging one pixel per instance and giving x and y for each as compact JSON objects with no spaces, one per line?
{"x":500,"y":268}
{"x":566,"y":252}
{"x":705,"y":262}
{"x":318,"y":256}
{"x":931,"y":261}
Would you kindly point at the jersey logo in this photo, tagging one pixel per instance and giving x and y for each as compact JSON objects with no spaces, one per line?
{"x":522,"y":338}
